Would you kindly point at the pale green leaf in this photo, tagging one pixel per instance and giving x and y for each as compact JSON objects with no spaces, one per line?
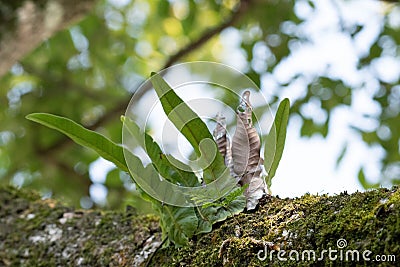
{"x":164,"y":167}
{"x":191,"y":126}
{"x":275,"y":140}
{"x":82,"y":136}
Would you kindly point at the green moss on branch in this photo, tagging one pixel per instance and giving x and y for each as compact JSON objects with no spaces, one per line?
{"x":38,"y":232}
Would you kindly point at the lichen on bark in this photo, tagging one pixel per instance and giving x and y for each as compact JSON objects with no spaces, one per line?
{"x":35,"y":232}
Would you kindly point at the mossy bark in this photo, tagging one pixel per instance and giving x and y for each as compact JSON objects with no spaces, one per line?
{"x":35,"y":232}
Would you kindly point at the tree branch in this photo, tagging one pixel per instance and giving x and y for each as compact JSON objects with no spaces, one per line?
{"x":36,"y":232}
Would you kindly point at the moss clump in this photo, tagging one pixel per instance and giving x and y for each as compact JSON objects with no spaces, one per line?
{"x":366,"y":221}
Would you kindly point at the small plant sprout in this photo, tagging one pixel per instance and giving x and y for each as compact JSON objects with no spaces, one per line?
{"x":237,"y":163}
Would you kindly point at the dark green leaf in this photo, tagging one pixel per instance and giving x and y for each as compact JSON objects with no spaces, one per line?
{"x":220,"y":210}
{"x":178,"y":223}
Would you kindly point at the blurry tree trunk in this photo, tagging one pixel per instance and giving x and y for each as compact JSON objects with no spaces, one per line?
{"x":24,"y":24}
{"x":35,"y":232}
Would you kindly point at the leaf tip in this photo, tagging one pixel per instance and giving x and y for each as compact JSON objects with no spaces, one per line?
{"x":32,"y":116}
{"x":285,"y":102}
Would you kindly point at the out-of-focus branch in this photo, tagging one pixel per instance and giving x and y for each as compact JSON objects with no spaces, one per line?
{"x":84,"y":183}
{"x":120,"y":107}
{"x":25,"y":24}
{"x":208,"y":34}
{"x":67,"y":83}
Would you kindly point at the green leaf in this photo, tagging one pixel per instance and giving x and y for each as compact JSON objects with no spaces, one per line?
{"x":308,"y":128}
{"x":210,"y":215}
{"x":82,"y":136}
{"x":168,"y":170}
{"x":180,"y":114}
{"x":191,"y":126}
{"x":363,"y":180}
{"x":234,"y":196}
{"x":220,"y":210}
{"x":178,"y":223}
{"x":277,"y":137}
{"x":113,"y":179}
{"x":159,"y":159}
{"x":341,"y":156}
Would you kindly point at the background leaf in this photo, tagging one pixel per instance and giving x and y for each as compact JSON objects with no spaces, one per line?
{"x":363,"y":180}
{"x":341,"y":156}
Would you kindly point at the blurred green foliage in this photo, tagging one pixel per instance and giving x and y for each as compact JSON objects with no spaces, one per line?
{"x":89,"y":72}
